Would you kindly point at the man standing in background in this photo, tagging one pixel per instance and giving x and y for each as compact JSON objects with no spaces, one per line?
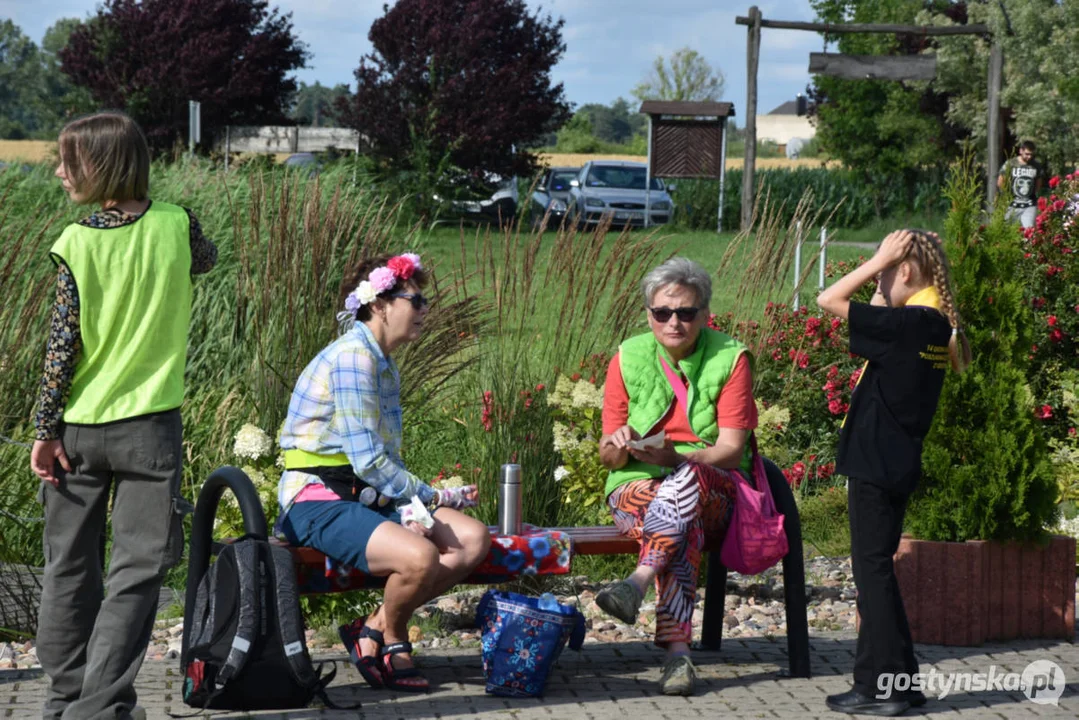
{"x":1026,"y":177}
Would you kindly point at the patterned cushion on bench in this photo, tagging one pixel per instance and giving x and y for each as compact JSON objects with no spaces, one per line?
{"x":536,"y":551}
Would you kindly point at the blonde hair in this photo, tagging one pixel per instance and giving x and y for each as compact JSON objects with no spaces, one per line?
{"x":927,"y":256}
{"x":106,"y":157}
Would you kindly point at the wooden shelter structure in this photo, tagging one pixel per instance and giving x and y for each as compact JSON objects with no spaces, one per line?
{"x":686,"y":140}
{"x":870,"y":67}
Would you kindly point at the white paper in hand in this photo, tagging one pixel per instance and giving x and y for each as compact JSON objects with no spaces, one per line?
{"x":652,"y":441}
{"x":420,"y":513}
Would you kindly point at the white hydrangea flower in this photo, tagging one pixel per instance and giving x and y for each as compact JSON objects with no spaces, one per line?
{"x":453,"y":481}
{"x":563,"y":437}
{"x":585,"y":395}
{"x":251,"y":442}
{"x":560,"y":473}
{"x":1069,"y":527}
{"x":773,"y":416}
{"x":563,"y":389}
{"x":258,"y":478}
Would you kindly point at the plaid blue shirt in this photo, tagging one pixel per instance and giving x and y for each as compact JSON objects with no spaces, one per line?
{"x":348,"y":400}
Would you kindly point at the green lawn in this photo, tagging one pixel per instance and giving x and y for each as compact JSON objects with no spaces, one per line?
{"x":442,"y":247}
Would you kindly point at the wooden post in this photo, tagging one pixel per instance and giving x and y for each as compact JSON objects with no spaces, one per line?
{"x":753,"y":54}
{"x":994,"y":131}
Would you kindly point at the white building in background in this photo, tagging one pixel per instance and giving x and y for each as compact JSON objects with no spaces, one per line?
{"x":784,"y":125}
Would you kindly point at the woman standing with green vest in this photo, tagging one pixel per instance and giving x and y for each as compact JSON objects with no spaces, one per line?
{"x":108,"y":419}
{"x":695,"y":385}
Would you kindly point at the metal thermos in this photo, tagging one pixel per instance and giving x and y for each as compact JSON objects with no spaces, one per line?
{"x":509,"y":500}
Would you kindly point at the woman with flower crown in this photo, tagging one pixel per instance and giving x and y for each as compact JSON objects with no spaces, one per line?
{"x":345,"y":490}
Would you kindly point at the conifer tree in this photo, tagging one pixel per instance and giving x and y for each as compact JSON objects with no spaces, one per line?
{"x":985,"y":468}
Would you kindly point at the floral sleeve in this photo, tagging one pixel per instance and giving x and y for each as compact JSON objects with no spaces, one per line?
{"x":203,"y":250}
{"x":61,"y":355}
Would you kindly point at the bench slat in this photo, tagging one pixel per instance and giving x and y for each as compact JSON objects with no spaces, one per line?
{"x":606,"y":540}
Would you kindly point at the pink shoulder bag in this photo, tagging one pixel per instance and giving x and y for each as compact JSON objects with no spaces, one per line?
{"x":755,"y":539}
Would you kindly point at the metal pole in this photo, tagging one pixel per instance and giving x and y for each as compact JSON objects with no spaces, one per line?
{"x":648,"y":179}
{"x":194,"y":125}
{"x":823,"y":257}
{"x":797,"y":262}
{"x":356,"y":159}
{"x":722,"y":172}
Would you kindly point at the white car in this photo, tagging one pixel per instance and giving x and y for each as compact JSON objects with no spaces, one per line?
{"x":616,"y":190}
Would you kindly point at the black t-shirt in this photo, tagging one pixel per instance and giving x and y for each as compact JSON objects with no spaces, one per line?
{"x":1023,"y":180}
{"x":893,"y":405}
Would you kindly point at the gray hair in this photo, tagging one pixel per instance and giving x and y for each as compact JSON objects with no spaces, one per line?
{"x":678,"y":271}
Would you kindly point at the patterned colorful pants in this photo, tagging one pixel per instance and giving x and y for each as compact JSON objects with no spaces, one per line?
{"x":671,"y":517}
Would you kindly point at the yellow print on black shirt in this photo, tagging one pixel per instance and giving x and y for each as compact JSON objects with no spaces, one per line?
{"x":936,"y":354}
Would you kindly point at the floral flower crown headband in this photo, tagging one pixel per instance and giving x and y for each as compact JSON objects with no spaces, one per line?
{"x":383,"y":278}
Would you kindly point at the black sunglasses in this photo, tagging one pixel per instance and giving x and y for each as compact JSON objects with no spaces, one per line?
{"x":418,"y":301}
{"x":685,"y":314}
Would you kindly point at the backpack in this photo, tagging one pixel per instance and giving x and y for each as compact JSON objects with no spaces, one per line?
{"x":245,"y":647}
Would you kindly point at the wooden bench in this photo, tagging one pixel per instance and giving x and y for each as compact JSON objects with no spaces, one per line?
{"x":603,"y":540}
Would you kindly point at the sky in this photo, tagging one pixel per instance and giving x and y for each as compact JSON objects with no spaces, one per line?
{"x":610,"y":44}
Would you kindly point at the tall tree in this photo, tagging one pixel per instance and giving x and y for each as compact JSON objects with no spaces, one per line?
{"x":463,"y":83}
{"x":890,"y":131}
{"x":1040,"y":95}
{"x":63,"y":99}
{"x":150,"y":57}
{"x":614,"y":123}
{"x":20,"y":71}
{"x":314,"y":104}
{"x":686,"y":76}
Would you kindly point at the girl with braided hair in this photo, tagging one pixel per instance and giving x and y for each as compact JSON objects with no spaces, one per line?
{"x":909,"y":335}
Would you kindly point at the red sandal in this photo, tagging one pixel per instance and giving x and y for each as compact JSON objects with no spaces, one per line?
{"x":370,"y":666}
{"x":404,"y":679}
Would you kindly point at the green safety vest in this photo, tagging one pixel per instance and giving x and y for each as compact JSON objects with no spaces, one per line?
{"x":707,"y":369}
{"x":134,"y":285}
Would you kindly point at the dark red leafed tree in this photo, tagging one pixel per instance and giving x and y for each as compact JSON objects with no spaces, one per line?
{"x":460,"y":81}
{"x":150,"y":57}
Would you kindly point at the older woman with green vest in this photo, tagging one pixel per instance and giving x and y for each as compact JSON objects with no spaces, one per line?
{"x":687,"y":391}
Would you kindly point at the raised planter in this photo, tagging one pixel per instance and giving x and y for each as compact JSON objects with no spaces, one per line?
{"x":971,"y":592}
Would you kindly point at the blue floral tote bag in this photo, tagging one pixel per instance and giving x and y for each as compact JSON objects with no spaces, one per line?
{"x":522,"y":638}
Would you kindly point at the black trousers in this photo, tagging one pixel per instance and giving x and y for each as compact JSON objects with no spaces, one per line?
{"x":884,"y":643}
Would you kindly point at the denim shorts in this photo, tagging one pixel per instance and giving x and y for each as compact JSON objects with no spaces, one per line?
{"x":339,"y":529}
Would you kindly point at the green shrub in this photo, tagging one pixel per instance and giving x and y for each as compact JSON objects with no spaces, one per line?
{"x":986,"y":469}
{"x":848,"y":201}
{"x":578,"y":407}
{"x":803,"y":378}
{"x":826,"y":521}
{"x":1050,"y":273}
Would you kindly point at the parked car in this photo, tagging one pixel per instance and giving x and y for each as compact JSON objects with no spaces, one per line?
{"x":550,"y":198}
{"x":616,"y":190}
{"x":304,"y":161}
{"x":500,"y":208}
